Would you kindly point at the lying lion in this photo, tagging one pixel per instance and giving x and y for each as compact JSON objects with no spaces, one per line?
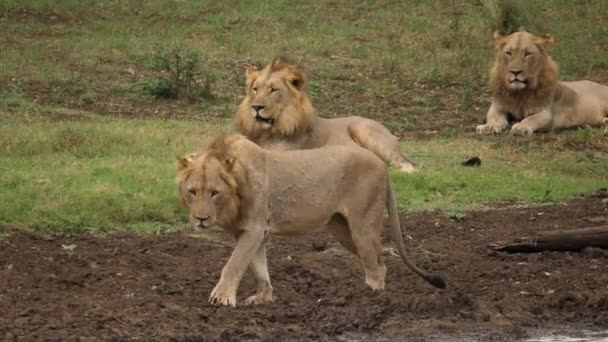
{"x":250,"y":192}
{"x":526,"y":88}
{"x":276,"y":113}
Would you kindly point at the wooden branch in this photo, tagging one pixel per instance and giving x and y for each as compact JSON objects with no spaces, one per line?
{"x":563,"y":240}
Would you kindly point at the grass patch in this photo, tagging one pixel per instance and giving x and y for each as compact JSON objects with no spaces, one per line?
{"x":433,"y":41}
{"x":371,"y":58}
{"x":105,"y":174}
{"x":414,"y":65}
{"x":519,"y":171}
{"x":117,"y":173}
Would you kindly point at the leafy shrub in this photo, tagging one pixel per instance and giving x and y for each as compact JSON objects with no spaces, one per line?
{"x":507,"y":13}
{"x":179,"y":75}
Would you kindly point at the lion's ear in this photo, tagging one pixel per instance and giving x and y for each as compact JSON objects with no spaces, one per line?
{"x":251,"y":70}
{"x":229,"y":162}
{"x":500,"y":39}
{"x":226,"y":172}
{"x":544,"y":41}
{"x":296,"y":78}
{"x":251,"y":74}
{"x":275,"y":62}
{"x":229,"y":179}
{"x":182,"y":163}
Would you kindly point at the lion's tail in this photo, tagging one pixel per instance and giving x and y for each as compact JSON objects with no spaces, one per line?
{"x":393,"y":214}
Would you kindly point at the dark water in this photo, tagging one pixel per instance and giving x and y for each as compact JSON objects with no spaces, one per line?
{"x":578,"y":336}
{"x":586,"y":336}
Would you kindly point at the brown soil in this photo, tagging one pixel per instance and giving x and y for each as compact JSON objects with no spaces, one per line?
{"x":155,"y":287}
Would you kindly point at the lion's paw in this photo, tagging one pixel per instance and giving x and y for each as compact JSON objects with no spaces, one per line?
{"x":407,"y":168}
{"x":259,"y":298}
{"x":390,"y":251}
{"x":489,"y":129}
{"x":221,"y":296}
{"x":521,"y":129}
{"x":375,"y":278}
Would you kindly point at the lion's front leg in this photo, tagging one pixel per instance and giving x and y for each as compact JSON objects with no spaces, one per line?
{"x":496,"y":121}
{"x":247,"y":245}
{"x":259,"y":267}
{"x":533,"y":123}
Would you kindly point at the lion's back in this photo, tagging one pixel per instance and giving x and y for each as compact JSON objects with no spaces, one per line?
{"x":324,"y":165}
{"x":585,"y":87}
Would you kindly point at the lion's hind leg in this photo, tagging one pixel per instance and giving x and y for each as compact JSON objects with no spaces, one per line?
{"x":369,"y":253}
{"x":368,"y":244}
{"x":365,"y":246}
{"x":338,"y":228}
{"x":376,"y":138}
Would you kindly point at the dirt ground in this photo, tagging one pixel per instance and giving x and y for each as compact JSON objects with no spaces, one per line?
{"x":155,"y":287}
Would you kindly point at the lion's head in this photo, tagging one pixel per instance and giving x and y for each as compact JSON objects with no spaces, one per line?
{"x":276,"y":102}
{"x":522,"y":63}
{"x":210,"y":184}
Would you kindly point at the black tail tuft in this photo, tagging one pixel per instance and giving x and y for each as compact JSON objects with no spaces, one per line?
{"x":436,"y":281}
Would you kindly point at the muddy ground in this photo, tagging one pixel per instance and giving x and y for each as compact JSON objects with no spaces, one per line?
{"x":155,"y":287}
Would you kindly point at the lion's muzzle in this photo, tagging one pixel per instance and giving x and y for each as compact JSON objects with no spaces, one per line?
{"x":516,"y":80}
{"x":261,"y":119}
{"x":199,"y":222}
{"x":258,"y":117}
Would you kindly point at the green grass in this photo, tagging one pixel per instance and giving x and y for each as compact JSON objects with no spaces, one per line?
{"x":391,"y":53}
{"x":73,"y":157}
{"x":508,"y":172}
{"x":432,"y":41}
{"x":94,"y":174}
{"x":115,"y":173}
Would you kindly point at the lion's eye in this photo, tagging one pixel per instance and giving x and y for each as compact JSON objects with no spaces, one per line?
{"x":272,"y":90}
{"x":508,"y":53}
{"x":214,"y":193}
{"x":255,"y":89}
{"x":526,"y":54}
{"x":192,"y":192}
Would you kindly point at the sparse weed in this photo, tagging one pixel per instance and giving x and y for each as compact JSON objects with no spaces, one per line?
{"x":69,"y":249}
{"x":68,"y":86}
{"x":398,"y":126}
{"x":449,"y":132}
{"x":88,"y":97}
{"x":456,"y":216}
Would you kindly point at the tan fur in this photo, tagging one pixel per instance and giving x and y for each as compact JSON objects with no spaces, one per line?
{"x":280,"y":91}
{"x":535,"y":98}
{"x":250,"y":192}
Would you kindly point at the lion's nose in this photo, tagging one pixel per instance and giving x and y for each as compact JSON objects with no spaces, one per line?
{"x":516,"y":72}
{"x":258,"y":108}
{"x":202,"y":218}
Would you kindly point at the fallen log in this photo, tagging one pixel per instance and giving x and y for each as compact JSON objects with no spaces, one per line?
{"x":563,"y":240}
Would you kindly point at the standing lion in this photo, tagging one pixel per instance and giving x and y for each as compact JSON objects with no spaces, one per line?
{"x":526,"y":88}
{"x":250,"y":192}
{"x":276,"y":113}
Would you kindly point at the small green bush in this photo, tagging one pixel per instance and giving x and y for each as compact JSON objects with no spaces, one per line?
{"x":161,"y":88}
{"x":180,"y":75}
{"x":508,"y":15}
